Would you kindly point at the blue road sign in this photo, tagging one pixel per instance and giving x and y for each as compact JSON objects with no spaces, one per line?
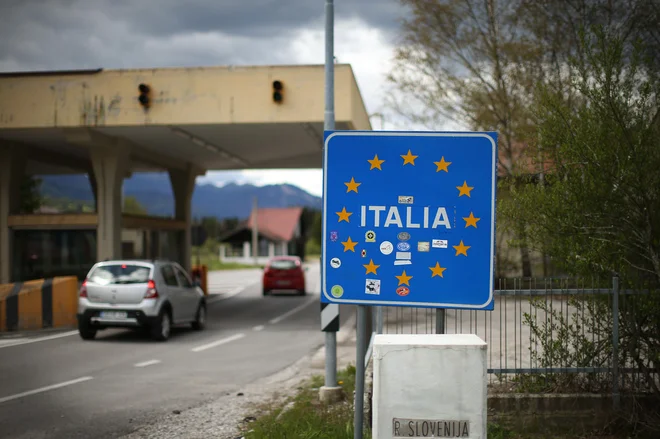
{"x":409,"y":218}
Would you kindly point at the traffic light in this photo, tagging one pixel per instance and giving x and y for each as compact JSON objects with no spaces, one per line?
{"x":278,"y":94}
{"x":145,"y":95}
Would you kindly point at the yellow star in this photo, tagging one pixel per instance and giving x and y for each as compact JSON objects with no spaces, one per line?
{"x":352,"y":186}
{"x":375,"y":163}
{"x":437,"y":270}
{"x":409,"y":158}
{"x":442,"y":165}
{"x":471,"y":221}
{"x":404,"y":279}
{"x":349,"y":245}
{"x":461,"y":249}
{"x":371,"y":267}
{"x":343,"y":215}
{"x":464,"y":190}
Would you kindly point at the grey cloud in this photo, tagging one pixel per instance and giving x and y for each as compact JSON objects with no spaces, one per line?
{"x":72,"y":34}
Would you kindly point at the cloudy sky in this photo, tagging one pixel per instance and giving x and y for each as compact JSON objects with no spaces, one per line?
{"x":78,"y":34}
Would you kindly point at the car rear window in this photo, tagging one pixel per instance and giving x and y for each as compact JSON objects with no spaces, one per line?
{"x":120,"y":274}
{"x":283,"y":264}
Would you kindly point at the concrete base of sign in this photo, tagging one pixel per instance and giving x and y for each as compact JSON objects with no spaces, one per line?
{"x":428,"y":385}
{"x":330,"y":395}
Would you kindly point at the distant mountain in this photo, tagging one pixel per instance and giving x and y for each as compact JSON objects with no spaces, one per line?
{"x":154,"y":192}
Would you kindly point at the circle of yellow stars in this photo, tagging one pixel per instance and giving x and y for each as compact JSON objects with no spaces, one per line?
{"x":408,"y":159}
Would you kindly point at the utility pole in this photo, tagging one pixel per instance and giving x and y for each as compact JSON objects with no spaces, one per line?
{"x":330,"y":392}
{"x":255,"y":232}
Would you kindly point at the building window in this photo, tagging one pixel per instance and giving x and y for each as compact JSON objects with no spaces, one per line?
{"x":39,"y":254}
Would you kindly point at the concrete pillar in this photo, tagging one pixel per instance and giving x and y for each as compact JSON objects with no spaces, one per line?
{"x":111,"y":163}
{"x":12,"y":171}
{"x":271,"y":249}
{"x":183,"y":186}
{"x":429,"y":385}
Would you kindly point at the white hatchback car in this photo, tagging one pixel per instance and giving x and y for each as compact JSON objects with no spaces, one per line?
{"x":134,"y":293}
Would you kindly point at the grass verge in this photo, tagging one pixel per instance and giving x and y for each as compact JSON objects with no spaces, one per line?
{"x":304,"y":416}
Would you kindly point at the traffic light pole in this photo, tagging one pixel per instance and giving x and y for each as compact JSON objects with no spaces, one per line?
{"x":330,"y":392}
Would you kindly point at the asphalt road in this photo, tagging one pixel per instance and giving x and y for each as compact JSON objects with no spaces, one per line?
{"x":64,"y":387}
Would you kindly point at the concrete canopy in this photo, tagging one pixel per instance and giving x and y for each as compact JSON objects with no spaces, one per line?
{"x":211,"y":118}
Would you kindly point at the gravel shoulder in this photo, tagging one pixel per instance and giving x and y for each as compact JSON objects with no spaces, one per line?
{"x":223,"y":417}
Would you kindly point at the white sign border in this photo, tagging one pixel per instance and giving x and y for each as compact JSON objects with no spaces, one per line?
{"x":408,"y":134}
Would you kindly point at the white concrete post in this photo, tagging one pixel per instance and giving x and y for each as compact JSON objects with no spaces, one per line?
{"x":429,"y":385}
{"x":12,"y":170}
{"x":271,"y":249}
{"x":223,"y":252}
{"x":111,"y":163}
{"x":183,"y":186}
{"x":246,"y":251}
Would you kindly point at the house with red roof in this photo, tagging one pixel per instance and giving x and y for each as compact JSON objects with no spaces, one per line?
{"x":279,"y":233}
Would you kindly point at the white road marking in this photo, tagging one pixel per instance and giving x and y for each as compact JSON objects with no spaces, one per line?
{"x":44,"y":389}
{"x":147,"y":363}
{"x":259,"y":328}
{"x":23,"y":341}
{"x":229,"y":294}
{"x":293,"y":311}
{"x":218,"y":343}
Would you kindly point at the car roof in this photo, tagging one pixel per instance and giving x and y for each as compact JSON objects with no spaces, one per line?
{"x":285,"y":258}
{"x":132,"y":261}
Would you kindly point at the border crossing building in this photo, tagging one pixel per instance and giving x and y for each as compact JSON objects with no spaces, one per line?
{"x":108,"y":124}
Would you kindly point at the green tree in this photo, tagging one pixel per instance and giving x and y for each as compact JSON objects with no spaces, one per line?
{"x":477,"y":63}
{"x":597,"y":213}
{"x":466,"y":62}
{"x":31,"y":199}
{"x":133,"y":207}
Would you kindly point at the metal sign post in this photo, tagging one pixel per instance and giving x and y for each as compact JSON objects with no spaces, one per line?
{"x":330,"y":314}
{"x":408,"y":220}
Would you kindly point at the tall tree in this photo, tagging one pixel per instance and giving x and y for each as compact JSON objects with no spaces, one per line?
{"x":133,"y":207}
{"x":31,"y":199}
{"x":468,"y":62}
{"x":598,"y":212}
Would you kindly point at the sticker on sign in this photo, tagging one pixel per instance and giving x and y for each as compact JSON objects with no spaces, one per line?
{"x":406,"y":199}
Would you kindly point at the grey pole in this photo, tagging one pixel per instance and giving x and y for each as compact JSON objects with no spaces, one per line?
{"x":330,"y":336}
{"x":440,"y":321}
{"x":361,"y":336}
{"x":329,"y":65}
{"x":255,"y":232}
{"x":379,"y":320}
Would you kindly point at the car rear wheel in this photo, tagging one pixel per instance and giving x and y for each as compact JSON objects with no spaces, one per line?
{"x":302,"y":292}
{"x":265,"y":292}
{"x":86,"y":331}
{"x":161,"y":329}
{"x":200,"y":318}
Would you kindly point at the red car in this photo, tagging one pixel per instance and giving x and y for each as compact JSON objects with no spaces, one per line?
{"x":284,"y":273}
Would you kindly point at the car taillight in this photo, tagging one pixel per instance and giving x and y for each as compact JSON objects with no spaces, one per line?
{"x":151,"y":290}
{"x":83,"y":289}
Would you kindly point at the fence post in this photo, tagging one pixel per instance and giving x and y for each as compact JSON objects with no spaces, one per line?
{"x":616,"y":397}
{"x":439,"y":321}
